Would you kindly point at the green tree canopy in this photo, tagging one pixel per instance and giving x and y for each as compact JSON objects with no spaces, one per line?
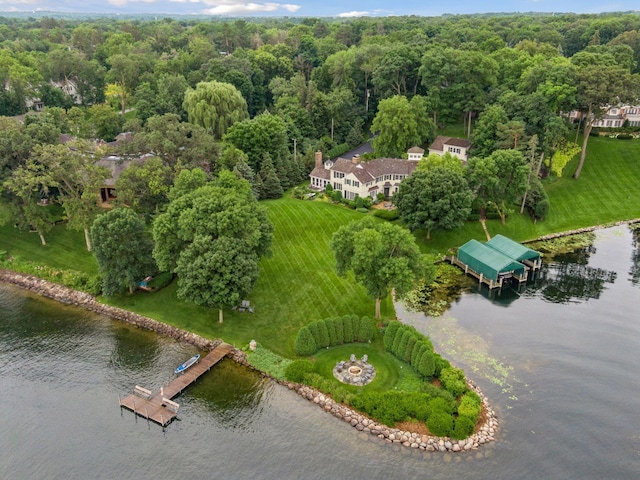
{"x":399,"y":125}
{"x":122,"y":248}
{"x":382,"y":256}
{"x":213,"y":239}
{"x":215,"y":106}
{"x":499,"y":179}
{"x":438,"y":198}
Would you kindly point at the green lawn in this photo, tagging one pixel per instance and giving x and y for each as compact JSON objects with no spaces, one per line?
{"x":608,"y":190}
{"x":298,"y":283}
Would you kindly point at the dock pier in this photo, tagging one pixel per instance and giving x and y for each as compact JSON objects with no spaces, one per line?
{"x":159,"y":406}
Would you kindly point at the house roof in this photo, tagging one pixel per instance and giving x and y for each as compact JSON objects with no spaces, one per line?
{"x":321,"y":172}
{"x":488,"y":261}
{"x":513,"y":249}
{"x":415,"y":150}
{"x":440,"y":141}
{"x":116,"y":165}
{"x":368,"y":171}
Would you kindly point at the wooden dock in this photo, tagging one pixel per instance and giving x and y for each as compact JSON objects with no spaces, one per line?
{"x":158,"y":406}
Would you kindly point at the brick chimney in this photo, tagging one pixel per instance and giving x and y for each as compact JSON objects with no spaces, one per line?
{"x":318,"y":159}
{"x":355,"y":159}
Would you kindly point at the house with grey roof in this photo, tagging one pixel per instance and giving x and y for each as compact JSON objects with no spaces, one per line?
{"x":457,"y":147}
{"x":364,"y":179}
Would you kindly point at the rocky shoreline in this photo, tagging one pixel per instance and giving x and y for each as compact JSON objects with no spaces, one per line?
{"x":485,"y":432}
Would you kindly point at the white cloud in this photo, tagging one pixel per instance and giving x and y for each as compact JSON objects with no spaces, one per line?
{"x":354,"y":13}
{"x":230,"y":7}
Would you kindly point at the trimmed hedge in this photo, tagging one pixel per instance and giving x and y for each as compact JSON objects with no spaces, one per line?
{"x":389,"y":215}
{"x":332,"y":331}
{"x":297,"y":370}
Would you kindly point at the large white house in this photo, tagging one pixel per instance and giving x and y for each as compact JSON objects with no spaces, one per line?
{"x":613,"y":117}
{"x":364,"y":179}
{"x":458,"y":147}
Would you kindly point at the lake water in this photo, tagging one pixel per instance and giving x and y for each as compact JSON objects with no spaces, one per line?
{"x":558,"y":361}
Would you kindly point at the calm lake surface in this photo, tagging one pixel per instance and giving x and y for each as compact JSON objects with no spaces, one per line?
{"x":559,"y":362}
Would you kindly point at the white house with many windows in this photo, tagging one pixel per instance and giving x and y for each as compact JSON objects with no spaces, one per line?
{"x":364,"y":179}
{"x":458,"y":147}
{"x":613,"y":117}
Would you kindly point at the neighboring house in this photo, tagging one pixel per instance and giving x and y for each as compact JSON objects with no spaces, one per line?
{"x":116,"y":165}
{"x":457,"y":147}
{"x":415,"y":153}
{"x":614,"y":117}
{"x":364,"y":179}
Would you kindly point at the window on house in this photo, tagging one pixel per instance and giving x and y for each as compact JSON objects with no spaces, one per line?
{"x":387,"y":177}
{"x":356,"y":183}
{"x":337,"y":186}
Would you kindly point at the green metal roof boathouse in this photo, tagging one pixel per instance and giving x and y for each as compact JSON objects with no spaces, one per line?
{"x":497,"y":260}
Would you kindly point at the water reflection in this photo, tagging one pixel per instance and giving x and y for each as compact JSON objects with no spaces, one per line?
{"x":570,"y":279}
{"x":232,"y":392}
{"x":134,"y":349}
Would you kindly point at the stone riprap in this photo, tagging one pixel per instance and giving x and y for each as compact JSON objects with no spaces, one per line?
{"x":486,"y":432}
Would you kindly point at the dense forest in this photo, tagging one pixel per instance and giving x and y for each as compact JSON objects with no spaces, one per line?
{"x":262,"y":95}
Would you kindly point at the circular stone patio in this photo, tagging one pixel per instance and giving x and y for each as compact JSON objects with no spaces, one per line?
{"x":354,"y":371}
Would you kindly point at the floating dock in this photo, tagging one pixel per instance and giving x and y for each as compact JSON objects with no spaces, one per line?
{"x":159,"y":406}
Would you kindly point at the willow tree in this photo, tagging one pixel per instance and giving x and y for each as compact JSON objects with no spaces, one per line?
{"x":215,"y":106}
{"x":382,"y":257}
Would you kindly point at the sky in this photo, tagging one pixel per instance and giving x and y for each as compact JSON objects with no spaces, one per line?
{"x":317,"y":8}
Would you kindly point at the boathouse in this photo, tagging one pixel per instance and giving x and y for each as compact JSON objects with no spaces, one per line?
{"x":488,"y":264}
{"x":516,"y":250}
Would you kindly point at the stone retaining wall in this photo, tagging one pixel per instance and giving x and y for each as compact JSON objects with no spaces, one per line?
{"x":360,"y":422}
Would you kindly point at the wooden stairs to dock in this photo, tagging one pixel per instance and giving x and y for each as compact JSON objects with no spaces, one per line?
{"x":159,"y":406}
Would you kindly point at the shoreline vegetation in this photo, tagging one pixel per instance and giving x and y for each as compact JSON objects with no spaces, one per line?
{"x":485,"y":429}
{"x":484,"y":432}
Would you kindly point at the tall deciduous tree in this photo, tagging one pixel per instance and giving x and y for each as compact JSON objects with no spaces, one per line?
{"x":600,"y":86}
{"x":25,"y":186}
{"x":399,"y":125}
{"x":145,"y":186}
{"x":73,"y":170}
{"x":499,"y":179}
{"x":382,"y":256}
{"x":215,"y":106}
{"x":213,"y":239}
{"x":123,"y":250}
{"x":438,"y":198}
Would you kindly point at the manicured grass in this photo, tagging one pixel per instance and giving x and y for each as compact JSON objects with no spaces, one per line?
{"x":65,"y":249}
{"x":607,"y":191}
{"x":297,"y":284}
{"x":390,"y":372}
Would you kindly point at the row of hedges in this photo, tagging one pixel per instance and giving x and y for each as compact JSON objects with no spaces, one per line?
{"x":410,"y":346}
{"x":332,"y":331}
{"x":338,"y":150}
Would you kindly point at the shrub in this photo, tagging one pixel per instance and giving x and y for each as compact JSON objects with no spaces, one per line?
{"x":624,"y":136}
{"x":418,"y":348}
{"x":347,"y":326}
{"x":305,"y":344}
{"x":463,"y":427}
{"x":396,"y":340}
{"x":441,"y":364}
{"x":402,"y":345}
{"x":336,"y":195}
{"x":365,"y":330}
{"x":408,"y":351}
{"x":440,"y":424}
{"x":452,"y":379}
{"x":427,"y":365}
{"x":296,"y":370}
{"x":389,"y":215}
{"x":470,"y":405}
{"x":441,"y":405}
{"x":339,"y":329}
{"x":267,"y":361}
{"x":323,"y":335}
{"x":362,"y":210}
{"x":314,"y":328}
{"x":389,"y":334}
{"x":331,"y":330}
